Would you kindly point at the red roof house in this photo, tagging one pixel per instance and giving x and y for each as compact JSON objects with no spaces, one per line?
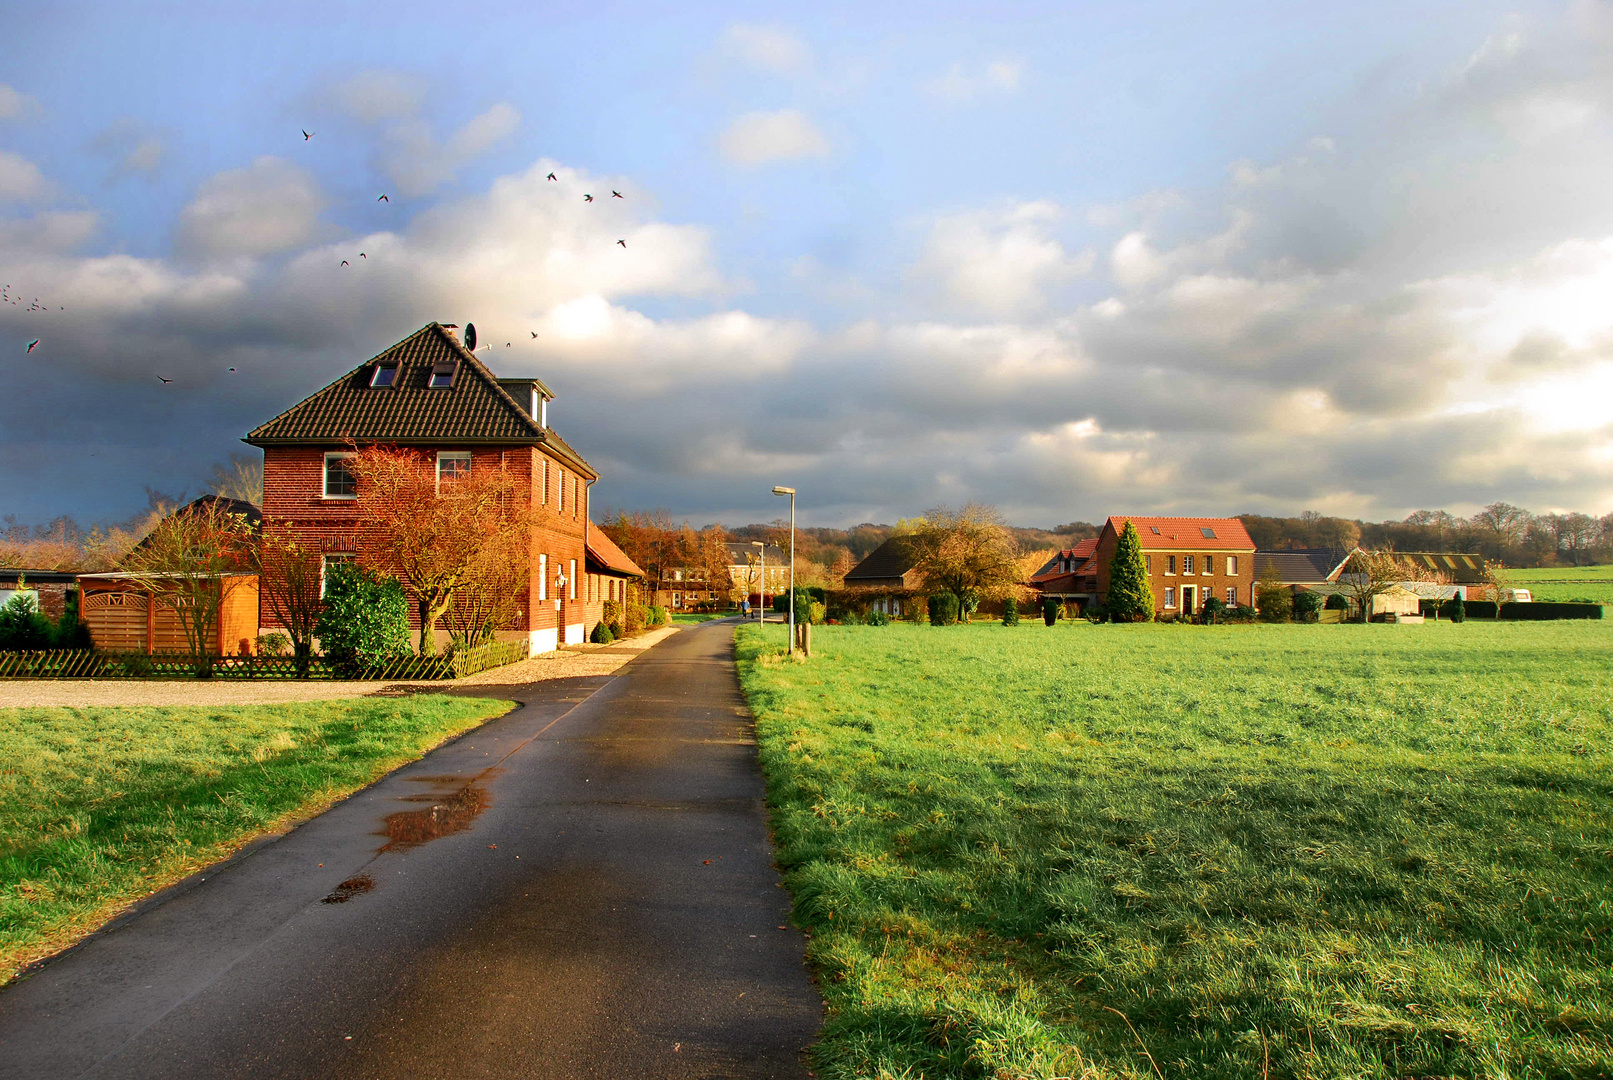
{"x":1189,"y":560}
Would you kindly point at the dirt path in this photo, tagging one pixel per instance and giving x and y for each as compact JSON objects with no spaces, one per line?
{"x":571,"y":662}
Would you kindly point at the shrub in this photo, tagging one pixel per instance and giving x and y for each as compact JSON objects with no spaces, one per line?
{"x":602,"y":634}
{"x":1215,"y":611}
{"x":22,"y":627}
{"x":878,"y":618}
{"x":612,"y":616}
{"x":71,"y":632}
{"x":1096,"y":613}
{"x":654,"y":616}
{"x":1010,"y":612}
{"x":1242,"y":613}
{"x":365,"y":620}
{"x":943,"y":609}
{"x":634,"y":616}
{"x":1275,"y":603}
{"x":1336,"y":602}
{"x":274,"y":643}
{"x":815,"y":612}
{"x":1307,"y":606}
{"x":1050,"y":610}
{"x":1456,"y":608}
{"x":1545,"y":609}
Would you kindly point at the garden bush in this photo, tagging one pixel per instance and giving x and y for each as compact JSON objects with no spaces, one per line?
{"x":1215,"y":611}
{"x":1243,"y":613}
{"x":602,"y":634}
{"x":1010,"y":612}
{"x":273,"y":643}
{"x":1050,"y":610}
{"x":1335,"y":602}
{"x":815,"y":613}
{"x":23,"y":628}
{"x":878,"y":618}
{"x":1096,"y":613}
{"x":365,"y":620}
{"x":943,"y":609}
{"x":654,"y":616}
{"x":1275,"y":604}
{"x":1307,"y":606}
{"x":612,"y":616}
{"x":634,"y":617}
{"x":1456,"y":608}
{"x":71,"y":632}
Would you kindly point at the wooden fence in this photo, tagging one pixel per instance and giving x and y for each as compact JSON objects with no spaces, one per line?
{"x":92,"y":664}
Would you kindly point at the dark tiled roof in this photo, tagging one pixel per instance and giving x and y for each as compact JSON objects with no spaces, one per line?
{"x":603,"y":550}
{"x":1462,"y":569}
{"x":1069,"y":561}
{"x":250,"y":511}
{"x":476,"y":410}
{"x":1187,"y":533}
{"x":739,"y":552}
{"x":8,"y":577}
{"x":1300,"y":566}
{"x":891,"y":559}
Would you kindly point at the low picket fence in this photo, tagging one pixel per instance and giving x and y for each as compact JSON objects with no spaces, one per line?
{"x":93,"y":664}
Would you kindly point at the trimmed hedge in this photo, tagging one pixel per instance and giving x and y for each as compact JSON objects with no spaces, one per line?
{"x":1538,"y":610}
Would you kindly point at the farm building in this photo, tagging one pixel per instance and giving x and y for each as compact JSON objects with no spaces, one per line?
{"x":124,"y":617}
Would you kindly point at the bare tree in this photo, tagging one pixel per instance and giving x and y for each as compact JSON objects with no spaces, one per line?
{"x":289,"y":578}
{"x":239,"y":478}
{"x":1369,"y":574}
{"x":190,"y":563}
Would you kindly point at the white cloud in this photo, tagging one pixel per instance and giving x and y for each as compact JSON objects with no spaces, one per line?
{"x":769,"y":49}
{"x":133,"y":149}
{"x":758,"y":138}
{"x":268,"y":207}
{"x":961,"y":85}
{"x":21,"y":180}
{"x":14,"y":103}
{"x":374,"y":96}
{"x":998,"y":263}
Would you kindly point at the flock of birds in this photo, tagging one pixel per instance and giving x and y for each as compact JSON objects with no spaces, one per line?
{"x":6,"y":297}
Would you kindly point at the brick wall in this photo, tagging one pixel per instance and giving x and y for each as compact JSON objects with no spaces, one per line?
{"x":1162,"y":575}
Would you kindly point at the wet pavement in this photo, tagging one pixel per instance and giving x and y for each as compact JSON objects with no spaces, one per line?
{"x":580,"y":889}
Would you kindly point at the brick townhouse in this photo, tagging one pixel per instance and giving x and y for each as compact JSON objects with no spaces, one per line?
{"x":1189,"y":560}
{"x":430,"y":393}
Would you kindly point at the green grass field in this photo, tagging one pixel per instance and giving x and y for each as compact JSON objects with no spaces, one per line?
{"x":689,"y":618}
{"x":99,"y":807}
{"x":1584,"y":583}
{"x":1160,"y":851}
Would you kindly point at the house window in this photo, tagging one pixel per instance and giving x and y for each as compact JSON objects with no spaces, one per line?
{"x":340,"y":483}
{"x":330,"y":560}
{"x":384,"y":375}
{"x":677,"y":599}
{"x":571,"y":581}
{"x":576,"y":495}
{"x":1187,"y":564}
{"x":1232,"y":596}
{"x":452,"y":465}
{"x":1170,"y":564}
{"x":442,"y":375}
{"x":543,"y":577}
{"x":1170,"y":598}
{"x":1209,"y":564}
{"x":1232,"y":566}
{"x":562,"y":491}
{"x":543,"y":482}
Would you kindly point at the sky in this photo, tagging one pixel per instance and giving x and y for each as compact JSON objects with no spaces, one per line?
{"x":1068,"y":259}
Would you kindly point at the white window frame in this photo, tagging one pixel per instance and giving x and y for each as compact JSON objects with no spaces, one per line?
{"x":1170,"y":596}
{"x":324,"y":475}
{"x":677,"y":599}
{"x":325,"y":562}
{"x":543,"y":577}
{"x":571,"y":581}
{"x":1188,"y":562}
{"x":561,"y":507}
{"x":1232,"y":566}
{"x":1170,"y":565}
{"x":1232,"y":596}
{"x":454,"y":456}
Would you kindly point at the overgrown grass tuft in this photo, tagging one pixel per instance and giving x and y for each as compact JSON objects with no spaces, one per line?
{"x":101,"y":806}
{"x":1160,"y":851}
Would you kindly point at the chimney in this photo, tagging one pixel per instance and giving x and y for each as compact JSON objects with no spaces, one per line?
{"x":453,"y":331}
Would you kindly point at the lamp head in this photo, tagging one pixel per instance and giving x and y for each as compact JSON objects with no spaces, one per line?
{"x":757,"y":543}
{"x":783,"y":491}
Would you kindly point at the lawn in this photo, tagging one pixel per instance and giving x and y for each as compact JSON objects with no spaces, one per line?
{"x":1593,"y":584}
{"x":1163,"y":851}
{"x":689,"y":618}
{"x":101,"y":806}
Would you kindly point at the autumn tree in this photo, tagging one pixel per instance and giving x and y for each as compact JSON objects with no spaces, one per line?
{"x":190,"y":563}
{"x":239,"y":478}
{"x":1367,"y":574}
{"x":1130,"y":597}
{"x":442,"y":539}
{"x":289,"y":585}
{"x":965,"y":552}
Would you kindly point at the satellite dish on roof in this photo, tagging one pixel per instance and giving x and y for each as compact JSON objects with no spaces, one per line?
{"x":470,"y":336}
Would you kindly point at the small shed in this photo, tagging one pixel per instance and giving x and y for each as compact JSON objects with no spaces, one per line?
{"x":124,"y":617}
{"x":51,"y":588}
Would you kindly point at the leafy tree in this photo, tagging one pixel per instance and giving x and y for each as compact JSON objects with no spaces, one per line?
{"x":190,"y":563}
{"x":442,"y":539}
{"x":365,"y":619}
{"x":23,"y":628}
{"x":1010,"y":612}
{"x":1307,"y":606}
{"x":967,"y":553}
{"x":1130,"y":597}
{"x":1272,"y":597}
{"x":1050,"y":610}
{"x":1456,"y":608}
{"x":943,"y":609}
{"x":288,"y":583}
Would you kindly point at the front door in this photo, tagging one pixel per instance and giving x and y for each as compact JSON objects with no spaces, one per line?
{"x":1190,"y":596}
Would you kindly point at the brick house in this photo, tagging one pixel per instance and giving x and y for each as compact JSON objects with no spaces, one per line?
{"x":887,"y":578}
{"x":430,"y":393}
{"x":1071,"y":575}
{"x":1189,"y":560}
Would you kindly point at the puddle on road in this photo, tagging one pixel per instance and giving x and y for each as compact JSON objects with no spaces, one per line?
{"x":446,"y":815}
{"x":353,"y":886}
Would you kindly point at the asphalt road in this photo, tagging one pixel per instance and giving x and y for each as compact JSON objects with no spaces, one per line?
{"x":582,"y":888}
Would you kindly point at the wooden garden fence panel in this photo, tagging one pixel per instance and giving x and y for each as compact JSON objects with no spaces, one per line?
{"x":93,"y":664}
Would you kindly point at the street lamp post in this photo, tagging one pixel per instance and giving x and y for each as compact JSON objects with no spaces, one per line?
{"x":791,"y":493}
{"x":761,"y":589}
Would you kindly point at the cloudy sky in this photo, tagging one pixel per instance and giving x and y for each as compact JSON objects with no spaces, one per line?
{"x":1069,"y":259}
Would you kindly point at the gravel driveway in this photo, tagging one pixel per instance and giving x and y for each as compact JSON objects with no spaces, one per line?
{"x":570,"y":662}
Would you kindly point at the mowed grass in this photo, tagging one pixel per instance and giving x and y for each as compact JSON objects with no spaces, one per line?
{"x":1159,"y":851}
{"x":1587,"y":583}
{"x":101,"y":806}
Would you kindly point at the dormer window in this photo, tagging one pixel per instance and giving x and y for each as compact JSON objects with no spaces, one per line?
{"x":442,"y":375}
{"x":384,"y":375}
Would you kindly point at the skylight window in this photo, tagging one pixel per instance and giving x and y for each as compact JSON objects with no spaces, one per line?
{"x":385,"y":375}
{"x":442,"y":375}
{"x":1154,"y":529}
{"x":1209,"y":533}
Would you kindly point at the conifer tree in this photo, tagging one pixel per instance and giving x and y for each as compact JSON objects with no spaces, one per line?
{"x":1130,"y":599}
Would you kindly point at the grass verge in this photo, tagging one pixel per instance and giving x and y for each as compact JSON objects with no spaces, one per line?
{"x":102,"y":806}
{"x":689,"y":618}
{"x":1159,"y":851}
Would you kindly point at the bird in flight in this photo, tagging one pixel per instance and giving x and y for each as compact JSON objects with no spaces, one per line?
{"x":622,"y":242}
{"x":344,"y":262}
{"x":232,"y":369}
{"x":362,"y":255}
{"x":506,"y":344}
{"x":534,"y":333}
{"x":587,"y":198}
{"x":32,"y":345}
{"x":383,"y":198}
{"x":616,"y":194}
{"x":163,"y":380}
{"x":552,"y":176}
{"x":306,"y":134}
